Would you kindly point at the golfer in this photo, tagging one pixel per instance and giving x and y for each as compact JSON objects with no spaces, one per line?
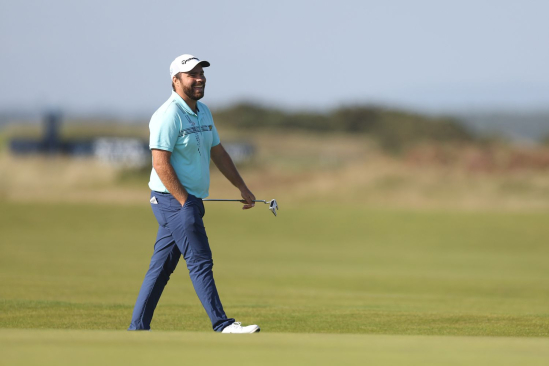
{"x":183,"y":138}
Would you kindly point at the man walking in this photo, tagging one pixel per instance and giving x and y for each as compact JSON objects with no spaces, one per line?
{"x":183,"y":138}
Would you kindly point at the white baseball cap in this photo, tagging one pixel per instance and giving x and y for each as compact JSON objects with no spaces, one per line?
{"x":185,"y":63}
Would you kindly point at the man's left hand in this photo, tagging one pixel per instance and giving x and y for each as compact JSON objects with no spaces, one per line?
{"x":248,"y":197}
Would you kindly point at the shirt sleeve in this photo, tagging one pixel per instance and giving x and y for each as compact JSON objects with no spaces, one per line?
{"x":164,"y":131}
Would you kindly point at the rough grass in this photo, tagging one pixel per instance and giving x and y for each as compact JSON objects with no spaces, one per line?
{"x":302,"y":168}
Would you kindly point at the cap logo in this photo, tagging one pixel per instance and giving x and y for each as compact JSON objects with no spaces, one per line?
{"x":189,"y":59}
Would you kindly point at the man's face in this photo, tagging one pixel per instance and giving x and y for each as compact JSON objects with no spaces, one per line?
{"x":193,"y":83}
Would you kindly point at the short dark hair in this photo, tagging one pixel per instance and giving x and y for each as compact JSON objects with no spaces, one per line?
{"x":178,"y":76}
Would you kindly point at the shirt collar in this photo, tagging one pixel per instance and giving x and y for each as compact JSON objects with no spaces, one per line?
{"x":183,"y":105}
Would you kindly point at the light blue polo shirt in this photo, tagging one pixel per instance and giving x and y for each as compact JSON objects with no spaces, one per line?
{"x":189,"y":136}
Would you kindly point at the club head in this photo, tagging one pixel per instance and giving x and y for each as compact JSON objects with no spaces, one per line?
{"x":273,"y":206}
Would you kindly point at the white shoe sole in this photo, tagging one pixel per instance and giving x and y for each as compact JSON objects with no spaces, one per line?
{"x":253,"y":330}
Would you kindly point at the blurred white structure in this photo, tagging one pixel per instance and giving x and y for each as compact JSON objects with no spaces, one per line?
{"x":123,"y":152}
{"x":135,"y":153}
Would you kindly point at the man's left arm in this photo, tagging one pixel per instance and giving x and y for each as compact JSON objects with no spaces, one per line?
{"x":226,"y":166}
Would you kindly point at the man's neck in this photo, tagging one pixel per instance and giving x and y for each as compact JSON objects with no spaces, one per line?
{"x":190,"y":102}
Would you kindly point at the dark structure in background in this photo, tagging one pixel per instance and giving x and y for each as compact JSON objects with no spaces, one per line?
{"x":51,"y":143}
{"x":51,"y":133}
{"x":121,"y":151}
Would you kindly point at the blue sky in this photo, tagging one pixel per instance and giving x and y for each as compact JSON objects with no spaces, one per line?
{"x":113,"y":56}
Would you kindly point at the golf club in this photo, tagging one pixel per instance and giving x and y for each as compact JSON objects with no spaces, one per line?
{"x":273,"y":205}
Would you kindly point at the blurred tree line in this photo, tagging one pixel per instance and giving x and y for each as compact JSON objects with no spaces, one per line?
{"x":394,"y":130}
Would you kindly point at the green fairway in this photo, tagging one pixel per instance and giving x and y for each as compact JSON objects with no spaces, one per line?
{"x":69,"y":347}
{"x":312,"y":269}
{"x":393,"y":280}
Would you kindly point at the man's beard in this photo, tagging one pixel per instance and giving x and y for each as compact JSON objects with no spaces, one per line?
{"x":194,"y":95}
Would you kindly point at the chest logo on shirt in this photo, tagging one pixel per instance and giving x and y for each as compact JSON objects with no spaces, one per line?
{"x":195,"y":129}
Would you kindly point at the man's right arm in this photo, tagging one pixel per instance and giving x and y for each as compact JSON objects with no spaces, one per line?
{"x":166,"y":173}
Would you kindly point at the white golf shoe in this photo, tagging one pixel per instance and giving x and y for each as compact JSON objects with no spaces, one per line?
{"x":237,"y":328}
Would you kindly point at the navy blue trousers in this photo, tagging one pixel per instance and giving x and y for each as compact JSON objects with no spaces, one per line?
{"x":181,"y":231}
